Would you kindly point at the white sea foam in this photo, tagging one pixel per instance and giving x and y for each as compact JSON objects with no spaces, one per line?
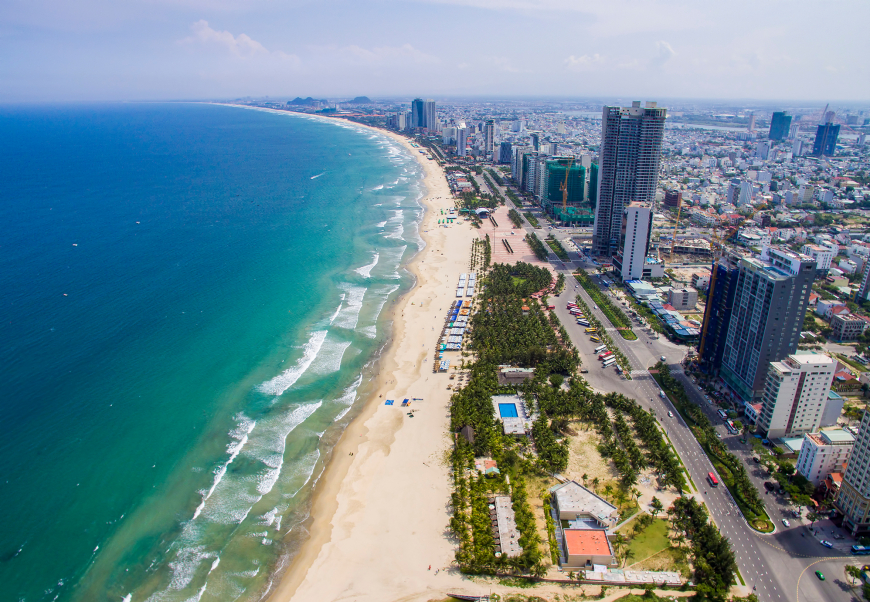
{"x":396,"y":233}
{"x":331,"y":355}
{"x":349,"y":315}
{"x":378,"y":187}
{"x":127,"y":598}
{"x":240,"y":438}
{"x":337,"y":311}
{"x":271,"y":444}
{"x":347,"y":397}
{"x":380,"y":224}
{"x":366,"y":270}
{"x":285,"y":380}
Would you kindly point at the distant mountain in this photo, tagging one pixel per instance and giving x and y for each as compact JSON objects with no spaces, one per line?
{"x":360,"y":100}
{"x":304,"y":101}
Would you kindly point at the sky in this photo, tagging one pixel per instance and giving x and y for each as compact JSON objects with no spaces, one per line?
{"x":108,"y":50}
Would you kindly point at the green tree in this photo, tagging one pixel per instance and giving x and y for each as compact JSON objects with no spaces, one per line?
{"x":656,"y":505}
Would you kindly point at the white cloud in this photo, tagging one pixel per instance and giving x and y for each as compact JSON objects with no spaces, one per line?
{"x":664,"y":53}
{"x":584,"y":62}
{"x":242,"y":45}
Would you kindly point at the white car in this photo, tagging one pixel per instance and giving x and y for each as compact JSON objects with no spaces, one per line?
{"x":670,"y":414}
{"x":664,"y":359}
{"x":785,"y":523}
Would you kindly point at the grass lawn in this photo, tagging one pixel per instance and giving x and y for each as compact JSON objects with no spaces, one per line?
{"x":654,"y":539}
{"x":853,"y":364}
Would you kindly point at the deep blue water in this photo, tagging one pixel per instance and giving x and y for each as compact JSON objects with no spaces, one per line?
{"x":190,"y":295}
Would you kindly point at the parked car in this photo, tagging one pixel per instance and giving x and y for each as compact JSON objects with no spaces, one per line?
{"x":785,"y":523}
{"x":820,"y":575}
{"x":670,"y":414}
{"x":664,"y":359}
{"x":756,"y":460}
{"x":583,"y":371}
{"x":769,"y":486}
{"x":826,"y":543}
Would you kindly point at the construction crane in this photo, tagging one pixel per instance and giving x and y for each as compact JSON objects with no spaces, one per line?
{"x":564,"y":188}
{"x":717,"y":248}
{"x":676,"y":225}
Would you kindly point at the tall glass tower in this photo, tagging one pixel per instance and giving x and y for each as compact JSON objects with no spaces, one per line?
{"x":628,"y":163}
{"x":780,"y":124}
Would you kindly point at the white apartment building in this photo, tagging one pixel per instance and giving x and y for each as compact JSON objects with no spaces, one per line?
{"x":854,"y":497}
{"x":823,"y":255}
{"x":823,"y":453}
{"x":636,"y":229}
{"x":795,"y":394}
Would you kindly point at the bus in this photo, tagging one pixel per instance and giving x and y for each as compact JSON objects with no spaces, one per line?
{"x":571,"y":306}
{"x":583,"y":323}
{"x":730,"y":426}
{"x":605,"y":355}
{"x":595,"y":339}
{"x":860,"y":550}
{"x":711,"y":478}
{"x":589,"y":330}
{"x":608,"y":362}
{"x":618,"y":369}
{"x":600,"y":348}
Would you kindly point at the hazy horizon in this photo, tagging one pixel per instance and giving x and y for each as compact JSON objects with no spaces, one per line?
{"x":97,"y":50}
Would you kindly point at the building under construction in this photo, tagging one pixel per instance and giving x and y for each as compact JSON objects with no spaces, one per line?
{"x":717,"y":315}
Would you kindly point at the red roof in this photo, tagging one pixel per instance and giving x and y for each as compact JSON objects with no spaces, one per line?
{"x":844,"y":376}
{"x":587,"y":542}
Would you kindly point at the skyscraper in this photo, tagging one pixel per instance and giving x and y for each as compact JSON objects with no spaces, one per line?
{"x":628,"y":160}
{"x":751,"y":125}
{"x":556,"y":177}
{"x":430,"y":121}
{"x":504,"y":152}
{"x":853,"y":501}
{"x":461,"y":140}
{"x":717,"y":314}
{"x":536,"y":140}
{"x":488,"y":134}
{"x":826,"y":139}
{"x":770,"y":302}
{"x":780,"y":125}
{"x":418,"y":115}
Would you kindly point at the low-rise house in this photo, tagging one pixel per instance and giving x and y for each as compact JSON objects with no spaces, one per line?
{"x":585,"y":548}
{"x":846,"y":327}
{"x":573,"y":502}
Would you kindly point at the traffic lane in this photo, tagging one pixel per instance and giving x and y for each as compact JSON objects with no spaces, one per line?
{"x":752,"y":559}
{"x":835,"y":587}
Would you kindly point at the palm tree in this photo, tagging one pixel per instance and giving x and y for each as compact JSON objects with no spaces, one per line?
{"x":584,"y":477}
{"x":595,"y":483}
{"x":629,"y":553}
{"x":635,"y":493}
{"x":656,"y":505}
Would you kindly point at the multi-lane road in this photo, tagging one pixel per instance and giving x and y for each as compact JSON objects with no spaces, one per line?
{"x":779,"y":567}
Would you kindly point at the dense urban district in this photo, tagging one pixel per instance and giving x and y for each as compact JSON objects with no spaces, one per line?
{"x":660,"y":380}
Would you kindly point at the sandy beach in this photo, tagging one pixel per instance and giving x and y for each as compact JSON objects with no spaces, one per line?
{"x":380,"y":512}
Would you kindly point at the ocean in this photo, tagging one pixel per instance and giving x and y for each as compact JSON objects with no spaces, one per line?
{"x":193,"y":298}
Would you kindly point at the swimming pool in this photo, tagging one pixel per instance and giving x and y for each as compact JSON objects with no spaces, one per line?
{"x":508,"y":410}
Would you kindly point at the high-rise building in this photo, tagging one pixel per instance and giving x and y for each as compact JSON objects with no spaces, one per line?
{"x":462,"y":134}
{"x":504,"y":152}
{"x":430,"y":116}
{"x":635,"y":235}
{"x":418,"y":114}
{"x":488,"y":134}
{"x":751,"y":125}
{"x":795,"y":395}
{"x":717,"y":314}
{"x":780,"y":126}
{"x":853,"y":501}
{"x":536,"y":140}
{"x":673,"y":198}
{"x":770,"y":301}
{"x":628,"y":160}
{"x":762,"y":150}
{"x":826,"y":139}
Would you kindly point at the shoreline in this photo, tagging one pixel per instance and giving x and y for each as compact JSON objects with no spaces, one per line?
{"x":334,"y":503}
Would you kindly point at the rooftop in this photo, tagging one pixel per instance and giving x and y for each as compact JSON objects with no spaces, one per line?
{"x":587,"y":542}
{"x":573,"y":497}
{"x":837,"y":436}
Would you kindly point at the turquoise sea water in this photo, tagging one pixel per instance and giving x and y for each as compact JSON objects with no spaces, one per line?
{"x":190,"y":298}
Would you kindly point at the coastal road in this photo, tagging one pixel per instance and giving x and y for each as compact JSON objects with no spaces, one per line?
{"x":779,"y":567}
{"x":769,"y":563}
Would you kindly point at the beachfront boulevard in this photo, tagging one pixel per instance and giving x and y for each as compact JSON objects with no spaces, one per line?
{"x":770,"y":564}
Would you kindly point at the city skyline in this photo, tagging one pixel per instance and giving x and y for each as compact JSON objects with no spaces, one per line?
{"x":192,"y":50}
